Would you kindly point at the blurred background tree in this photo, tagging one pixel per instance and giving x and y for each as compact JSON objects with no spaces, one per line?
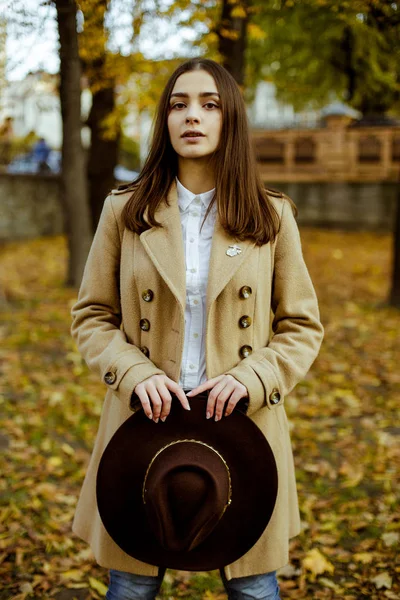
{"x":312,"y":51}
{"x":73,"y":175}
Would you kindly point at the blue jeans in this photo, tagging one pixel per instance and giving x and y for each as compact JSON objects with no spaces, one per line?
{"x":128,"y":586}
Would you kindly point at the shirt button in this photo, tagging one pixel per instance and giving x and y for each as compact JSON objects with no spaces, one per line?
{"x":195,"y":301}
{"x":191,"y":240}
{"x":195,"y":335}
{"x":193,"y":270}
{"x":195,"y":214}
{"x":192,"y":366}
{"x":197,"y":201}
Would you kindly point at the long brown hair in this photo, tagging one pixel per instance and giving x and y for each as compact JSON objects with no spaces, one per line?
{"x":244,"y":209}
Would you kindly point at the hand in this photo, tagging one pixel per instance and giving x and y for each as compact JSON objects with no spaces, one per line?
{"x":155,"y":397}
{"x":224,"y":387}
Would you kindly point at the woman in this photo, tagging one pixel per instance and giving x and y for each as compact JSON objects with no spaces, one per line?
{"x":196,"y":281}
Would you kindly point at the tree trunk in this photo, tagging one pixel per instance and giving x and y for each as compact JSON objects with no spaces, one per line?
{"x":73,"y":177}
{"x":232,"y":34}
{"x":103,"y":152}
{"x":395,"y":291}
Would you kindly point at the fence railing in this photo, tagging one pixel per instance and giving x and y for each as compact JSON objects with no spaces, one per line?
{"x":329,"y":154}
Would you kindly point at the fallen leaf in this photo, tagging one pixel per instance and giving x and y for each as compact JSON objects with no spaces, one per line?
{"x":383,"y":580}
{"x":391,"y":538}
{"x":316,"y":562}
{"x":363,"y":557}
{"x":98,"y":586}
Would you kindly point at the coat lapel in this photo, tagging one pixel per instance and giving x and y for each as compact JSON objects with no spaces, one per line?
{"x":164,"y":245}
{"x":222,"y":266}
{"x":165,"y":248}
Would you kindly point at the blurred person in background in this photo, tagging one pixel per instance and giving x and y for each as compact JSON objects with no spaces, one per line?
{"x":40,"y":152}
{"x":198,"y":229}
{"x":6,"y":136}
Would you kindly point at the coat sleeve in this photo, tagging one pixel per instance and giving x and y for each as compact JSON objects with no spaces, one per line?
{"x":96,"y":315}
{"x":270,"y":373}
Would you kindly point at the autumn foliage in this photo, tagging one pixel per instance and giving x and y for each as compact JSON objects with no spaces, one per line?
{"x":344,"y":420}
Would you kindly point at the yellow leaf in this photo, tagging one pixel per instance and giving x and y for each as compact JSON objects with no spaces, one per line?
{"x":364,"y":557}
{"x":316,"y":562}
{"x":68,"y":449}
{"x":238,"y":12}
{"x":74,"y":574}
{"x":54,"y":461}
{"x":383,"y":580}
{"x":255,"y":32}
{"x":330,"y":584}
{"x":98,"y":586}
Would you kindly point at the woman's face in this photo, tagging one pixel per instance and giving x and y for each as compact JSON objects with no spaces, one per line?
{"x":194,"y":106}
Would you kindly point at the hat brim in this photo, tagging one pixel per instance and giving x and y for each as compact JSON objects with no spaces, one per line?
{"x":254,"y":480}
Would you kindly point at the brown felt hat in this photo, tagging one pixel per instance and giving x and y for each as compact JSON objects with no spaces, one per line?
{"x":191,"y":493}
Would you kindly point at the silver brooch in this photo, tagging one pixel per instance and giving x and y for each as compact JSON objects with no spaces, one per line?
{"x":233,"y":250}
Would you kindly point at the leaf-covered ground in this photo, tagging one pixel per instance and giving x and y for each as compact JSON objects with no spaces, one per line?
{"x":344,"y":421}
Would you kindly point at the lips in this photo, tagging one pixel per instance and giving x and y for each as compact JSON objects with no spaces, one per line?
{"x":193,"y":133}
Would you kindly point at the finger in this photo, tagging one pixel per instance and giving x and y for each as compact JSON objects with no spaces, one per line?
{"x":144,"y":400}
{"x":223,"y":396}
{"x":179,"y":393}
{"x":166,"y":399}
{"x":233,"y":400}
{"x":212,"y":398}
{"x":155,"y":401}
{"x":207,"y":385}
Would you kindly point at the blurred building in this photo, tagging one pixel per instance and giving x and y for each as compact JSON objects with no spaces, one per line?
{"x":34,"y":105}
{"x":266,"y":112}
{"x":3,"y":59}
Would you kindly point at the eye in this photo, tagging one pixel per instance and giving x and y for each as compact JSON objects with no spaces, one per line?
{"x":212,"y":105}
{"x":177,"y":104}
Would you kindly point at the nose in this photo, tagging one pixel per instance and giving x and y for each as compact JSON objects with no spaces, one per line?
{"x":192,"y":115}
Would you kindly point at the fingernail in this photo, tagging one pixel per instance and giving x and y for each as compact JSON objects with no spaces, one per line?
{"x":216,"y":418}
{"x":163,"y":419}
{"x":208,"y":415}
{"x":188,"y":407}
{"x":189,"y":393}
{"x":150,"y":416}
{"x":156,"y":420}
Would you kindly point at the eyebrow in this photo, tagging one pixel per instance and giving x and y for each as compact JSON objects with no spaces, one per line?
{"x":202,"y":94}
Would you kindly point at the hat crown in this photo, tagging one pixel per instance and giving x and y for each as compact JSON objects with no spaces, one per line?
{"x":187,"y":489}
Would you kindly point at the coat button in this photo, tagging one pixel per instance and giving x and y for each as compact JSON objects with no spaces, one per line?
{"x":145,"y":351}
{"x":245,"y":291}
{"x":274,"y":396}
{"x":148,"y":295}
{"x":245,"y":351}
{"x":110,"y":377}
{"x":144,"y":324}
{"x":245,"y":321}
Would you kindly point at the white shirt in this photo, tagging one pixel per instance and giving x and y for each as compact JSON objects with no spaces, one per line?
{"x":197,"y":248}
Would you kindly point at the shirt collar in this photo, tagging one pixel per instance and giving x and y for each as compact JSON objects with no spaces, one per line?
{"x":186,"y":197}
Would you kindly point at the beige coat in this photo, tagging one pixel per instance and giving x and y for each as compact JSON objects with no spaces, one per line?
{"x":106,"y":316}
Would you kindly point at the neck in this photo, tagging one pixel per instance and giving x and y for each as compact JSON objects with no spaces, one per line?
{"x":196,"y":175}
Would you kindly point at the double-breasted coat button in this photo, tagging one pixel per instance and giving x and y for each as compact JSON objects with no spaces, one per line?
{"x":144,"y":324}
{"x":148,"y":295}
{"x":245,"y":351}
{"x":274,"y":396}
{"x":245,"y":321}
{"x":110,"y":377}
{"x":145,"y":351}
{"x":245,"y":291}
